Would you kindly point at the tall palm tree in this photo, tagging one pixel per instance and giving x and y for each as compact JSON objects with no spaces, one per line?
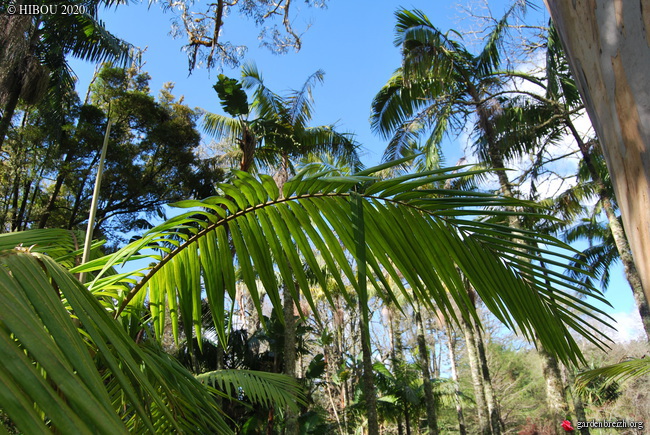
{"x":544,"y":117}
{"x":441,"y":84}
{"x":278,"y":134}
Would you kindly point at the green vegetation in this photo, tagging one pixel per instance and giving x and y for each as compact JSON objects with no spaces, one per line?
{"x":293,"y":290}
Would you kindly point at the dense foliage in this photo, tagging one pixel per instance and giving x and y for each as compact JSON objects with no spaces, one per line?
{"x":294,"y":291}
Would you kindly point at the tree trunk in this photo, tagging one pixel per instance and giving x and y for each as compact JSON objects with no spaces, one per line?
{"x":555,"y":397}
{"x":396,"y":353}
{"x":290,"y":332}
{"x":432,"y":418}
{"x":606,"y":43}
{"x":629,"y":266}
{"x":477,"y":378}
{"x":578,"y":405}
{"x":369,"y":393}
{"x":368,"y":373}
{"x":554,"y":387}
{"x":21,"y":221}
{"x":451,"y":342}
{"x":292,"y":427}
{"x":8,"y":112}
{"x":490,"y":397}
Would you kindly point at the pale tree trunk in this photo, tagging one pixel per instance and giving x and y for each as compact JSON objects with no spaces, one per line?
{"x":432,"y":418}
{"x":490,"y":398}
{"x":451,"y":343}
{"x":477,"y":378}
{"x":606,"y":43}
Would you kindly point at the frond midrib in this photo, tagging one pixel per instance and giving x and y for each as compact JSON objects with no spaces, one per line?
{"x":223,"y":221}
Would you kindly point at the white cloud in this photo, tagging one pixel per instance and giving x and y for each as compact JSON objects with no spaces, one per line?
{"x":629,"y":327}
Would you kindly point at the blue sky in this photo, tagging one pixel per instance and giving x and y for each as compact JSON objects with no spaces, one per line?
{"x":352,"y":41}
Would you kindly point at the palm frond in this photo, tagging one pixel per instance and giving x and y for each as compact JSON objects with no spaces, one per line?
{"x":64,"y":246}
{"x":261,"y":388}
{"x":93,"y":380}
{"x":85,"y":37}
{"x":418,"y":236}
{"x":490,"y":57}
{"x":267,"y":103}
{"x":617,"y":373}
{"x":299,"y":103}
{"x":222,"y":127}
{"x":427,"y":52}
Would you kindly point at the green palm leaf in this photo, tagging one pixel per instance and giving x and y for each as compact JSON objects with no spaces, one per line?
{"x":93,"y":380}
{"x":263,"y":388}
{"x":616,"y":373}
{"x":423,"y":238}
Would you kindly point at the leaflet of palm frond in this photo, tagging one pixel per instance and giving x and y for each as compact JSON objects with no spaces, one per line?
{"x":233,"y":98}
{"x":64,"y":246}
{"x":269,"y":390}
{"x":560,"y":83}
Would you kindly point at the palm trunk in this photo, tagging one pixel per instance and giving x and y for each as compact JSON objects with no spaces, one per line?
{"x":477,"y":378}
{"x":395,"y":353}
{"x":554,"y":386}
{"x":451,"y":342}
{"x":8,"y":113}
{"x":290,"y":332}
{"x":555,"y":398}
{"x":343,"y":386}
{"x":14,"y":54}
{"x":629,"y":265}
{"x":369,"y":392}
{"x":432,"y":418}
{"x":292,"y":427}
{"x":368,"y":373}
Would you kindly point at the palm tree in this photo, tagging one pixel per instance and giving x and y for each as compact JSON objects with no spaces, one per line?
{"x":272,"y":131}
{"x":605,"y":48}
{"x":441,"y":83}
{"x":35,"y":48}
{"x":542,"y":118}
{"x":278,"y":135}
